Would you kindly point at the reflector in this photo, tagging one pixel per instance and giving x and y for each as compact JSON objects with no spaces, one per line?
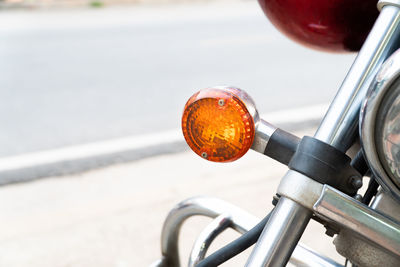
{"x":217,"y":124}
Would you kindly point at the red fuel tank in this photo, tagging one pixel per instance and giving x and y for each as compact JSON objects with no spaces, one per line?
{"x":329,"y":25}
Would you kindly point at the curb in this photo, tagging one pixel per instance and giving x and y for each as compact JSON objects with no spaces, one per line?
{"x":79,"y":158}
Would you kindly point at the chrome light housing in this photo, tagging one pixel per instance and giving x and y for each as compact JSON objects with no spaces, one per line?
{"x":380,"y":125}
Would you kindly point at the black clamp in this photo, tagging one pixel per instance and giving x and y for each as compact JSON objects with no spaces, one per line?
{"x":325,"y":164}
{"x":317,"y":160}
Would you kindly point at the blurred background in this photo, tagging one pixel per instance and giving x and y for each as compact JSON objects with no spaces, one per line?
{"x":91,"y":154}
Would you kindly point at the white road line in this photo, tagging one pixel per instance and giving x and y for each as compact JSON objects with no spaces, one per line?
{"x":132,"y":143}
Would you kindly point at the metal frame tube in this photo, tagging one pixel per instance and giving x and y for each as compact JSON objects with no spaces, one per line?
{"x":206,"y":206}
{"x":206,"y":237}
{"x":340,"y":124}
{"x":280,"y":235}
{"x":351,"y":214}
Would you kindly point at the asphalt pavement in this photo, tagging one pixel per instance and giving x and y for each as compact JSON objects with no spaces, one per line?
{"x":77,"y":76}
{"x":113,"y":216}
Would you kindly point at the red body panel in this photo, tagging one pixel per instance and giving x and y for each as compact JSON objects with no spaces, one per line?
{"x":330,"y":25}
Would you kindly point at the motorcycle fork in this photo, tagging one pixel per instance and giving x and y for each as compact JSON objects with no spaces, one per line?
{"x":339,"y":128}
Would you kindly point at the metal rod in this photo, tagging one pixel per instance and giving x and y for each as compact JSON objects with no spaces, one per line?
{"x":351,"y":214}
{"x":206,"y":206}
{"x":340,"y":124}
{"x":280,"y":235}
{"x":206,"y":237}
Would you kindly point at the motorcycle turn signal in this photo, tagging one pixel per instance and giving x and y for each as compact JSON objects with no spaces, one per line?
{"x":219,"y":123}
{"x":222,"y":123}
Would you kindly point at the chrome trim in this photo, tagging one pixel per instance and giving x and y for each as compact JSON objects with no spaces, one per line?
{"x":340,"y":124}
{"x":264,"y":131}
{"x":206,"y":237}
{"x":283,"y":231}
{"x":383,"y":3}
{"x":388,"y":73}
{"x":244,"y":97}
{"x":346,"y":212}
{"x":212,"y":207}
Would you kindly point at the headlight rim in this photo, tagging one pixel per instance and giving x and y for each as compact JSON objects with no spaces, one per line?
{"x":387,"y":77}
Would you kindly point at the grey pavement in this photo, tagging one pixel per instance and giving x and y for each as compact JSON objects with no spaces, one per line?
{"x":77,"y":76}
{"x":113,"y":216}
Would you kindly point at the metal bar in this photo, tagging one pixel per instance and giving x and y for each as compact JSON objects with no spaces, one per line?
{"x":280,"y":235}
{"x":351,"y":214}
{"x":206,"y":237}
{"x":340,"y":125}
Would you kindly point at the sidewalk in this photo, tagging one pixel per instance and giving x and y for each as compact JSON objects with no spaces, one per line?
{"x":113,"y":216}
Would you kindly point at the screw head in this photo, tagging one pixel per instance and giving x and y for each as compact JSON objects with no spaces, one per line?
{"x":356,"y":182}
{"x":358,"y":197}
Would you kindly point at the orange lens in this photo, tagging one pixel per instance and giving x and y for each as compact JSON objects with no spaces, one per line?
{"x":217,"y":125}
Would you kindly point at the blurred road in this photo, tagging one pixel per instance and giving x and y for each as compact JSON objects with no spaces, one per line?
{"x":78,"y":76}
{"x":113,"y":216}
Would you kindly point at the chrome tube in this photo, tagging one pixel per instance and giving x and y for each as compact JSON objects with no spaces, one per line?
{"x":206,"y":237}
{"x":351,"y":214}
{"x":264,"y":131}
{"x":206,"y":206}
{"x":340,"y":124}
{"x":280,"y":235}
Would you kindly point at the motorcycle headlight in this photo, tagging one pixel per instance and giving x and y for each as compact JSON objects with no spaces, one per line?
{"x":388,"y":133}
{"x":380,"y":125}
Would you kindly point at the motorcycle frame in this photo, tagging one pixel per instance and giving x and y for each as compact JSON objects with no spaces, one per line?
{"x":301,"y":196}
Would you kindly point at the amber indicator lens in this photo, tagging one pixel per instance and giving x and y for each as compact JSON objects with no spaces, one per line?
{"x":217,"y":125}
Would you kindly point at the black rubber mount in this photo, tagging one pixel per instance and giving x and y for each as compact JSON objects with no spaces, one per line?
{"x":326,"y":165}
{"x":315,"y":159}
{"x":282,"y":146}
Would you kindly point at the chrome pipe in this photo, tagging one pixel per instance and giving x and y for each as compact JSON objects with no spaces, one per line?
{"x":351,"y":214}
{"x":281,"y":234}
{"x":211,"y":207}
{"x":206,"y":237}
{"x":263,"y":132}
{"x":340,"y":124}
